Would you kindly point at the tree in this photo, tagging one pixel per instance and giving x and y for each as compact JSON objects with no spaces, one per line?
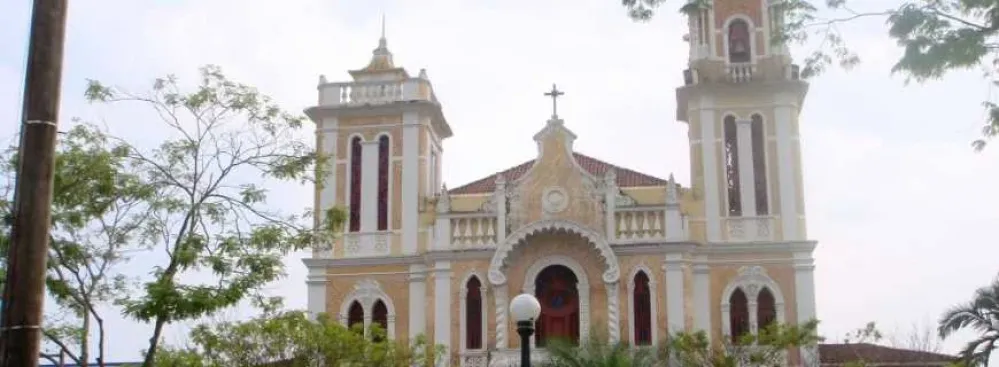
{"x":767,"y":348}
{"x":209,"y":216}
{"x":937,"y":36}
{"x":97,"y":214}
{"x":290,"y":339}
{"x":981,"y":315}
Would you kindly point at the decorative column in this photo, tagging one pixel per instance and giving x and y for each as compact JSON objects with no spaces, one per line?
{"x":702,"y":297}
{"x":747,"y":177}
{"x":410,"y":181}
{"x":417,"y":300}
{"x":442,"y":307}
{"x":499,"y":197}
{"x":610,"y":201}
{"x":804,"y":291}
{"x":674,"y":218}
{"x":675,"y":313}
{"x":613,"y":310}
{"x":500,"y":298}
{"x":443,"y":223}
{"x":327,"y":194}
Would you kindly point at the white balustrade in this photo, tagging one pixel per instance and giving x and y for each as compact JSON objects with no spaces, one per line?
{"x":374,"y":92}
{"x":747,"y":229}
{"x":635,"y":224}
{"x":477,"y":358}
{"x":358,"y":244}
{"x":473,"y":230}
{"x":740,"y":72}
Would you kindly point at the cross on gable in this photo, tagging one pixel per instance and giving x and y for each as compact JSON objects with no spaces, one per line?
{"x":554,"y":93}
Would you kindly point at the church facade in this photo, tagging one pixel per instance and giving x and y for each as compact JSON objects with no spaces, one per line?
{"x":610,"y":252}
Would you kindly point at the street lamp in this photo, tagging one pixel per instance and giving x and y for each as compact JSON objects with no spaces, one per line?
{"x":524,"y":309}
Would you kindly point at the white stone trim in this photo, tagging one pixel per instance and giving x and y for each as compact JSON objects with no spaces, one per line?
{"x":496,"y":276}
{"x":676,"y":319}
{"x":369,"y":186}
{"x":417,"y":300}
{"x":582,"y":288}
{"x":702,"y":298}
{"x":410,"y":182}
{"x":367,"y":292}
{"x":747,"y":177}
{"x":316,"y":284}
{"x":788,"y":173}
{"x":500,"y":298}
{"x":653,"y":314}
{"x":709,"y":157}
{"x":463,"y":312}
{"x":442,"y":305}
{"x":751,"y":279}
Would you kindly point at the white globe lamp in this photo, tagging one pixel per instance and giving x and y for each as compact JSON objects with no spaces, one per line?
{"x":525,"y":309}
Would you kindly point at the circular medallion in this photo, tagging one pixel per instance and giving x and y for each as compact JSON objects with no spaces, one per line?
{"x":554,"y":200}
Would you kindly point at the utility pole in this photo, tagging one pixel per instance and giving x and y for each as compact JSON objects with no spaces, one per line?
{"x":24,"y":291}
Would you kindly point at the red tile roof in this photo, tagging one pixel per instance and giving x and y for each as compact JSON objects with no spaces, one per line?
{"x":874,"y":355}
{"x":596,"y":167}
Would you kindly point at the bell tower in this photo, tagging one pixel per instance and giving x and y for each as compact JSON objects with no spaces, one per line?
{"x":741,"y":99}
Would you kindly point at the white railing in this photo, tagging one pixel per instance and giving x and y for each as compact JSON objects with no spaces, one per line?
{"x":511,"y":357}
{"x":374,"y":92}
{"x":740,"y":72}
{"x":744,"y":229}
{"x":473,"y":230}
{"x":640,"y":223}
{"x":359,"y":244}
{"x":477,"y":358}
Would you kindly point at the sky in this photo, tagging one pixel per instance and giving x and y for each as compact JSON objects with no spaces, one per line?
{"x":901,"y":206}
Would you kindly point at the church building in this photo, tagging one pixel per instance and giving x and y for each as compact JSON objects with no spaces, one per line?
{"x":609,"y":252}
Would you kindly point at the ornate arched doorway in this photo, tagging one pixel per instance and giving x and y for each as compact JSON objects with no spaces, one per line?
{"x":556,"y":289}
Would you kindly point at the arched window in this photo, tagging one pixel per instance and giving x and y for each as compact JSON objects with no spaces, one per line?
{"x":355,"y":184}
{"x":760,"y":166}
{"x":355,"y":315}
{"x":383,"y":182}
{"x":738,"y":314}
{"x":643,"y":310}
{"x":732,"y":167}
{"x":473,"y":314}
{"x":739,"y":47}
{"x":379,"y":316}
{"x":766,"y":308}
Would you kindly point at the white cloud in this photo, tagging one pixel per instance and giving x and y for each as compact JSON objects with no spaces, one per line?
{"x":902,"y":208}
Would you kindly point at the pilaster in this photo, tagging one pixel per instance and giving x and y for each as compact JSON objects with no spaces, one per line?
{"x":675,"y":313}
{"x":316,"y":284}
{"x":787,"y":171}
{"x":709,"y":162}
{"x":747,"y":177}
{"x":442,"y":225}
{"x":804,"y":290}
{"x":442,"y":307}
{"x":417,"y":301}
{"x":499,"y":197}
{"x":702,"y":297}
{"x":369,"y":186}
{"x":674,"y":217}
{"x":610,"y":201}
{"x":410,"y":181}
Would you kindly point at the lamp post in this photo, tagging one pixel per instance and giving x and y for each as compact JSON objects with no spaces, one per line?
{"x":524,"y":309}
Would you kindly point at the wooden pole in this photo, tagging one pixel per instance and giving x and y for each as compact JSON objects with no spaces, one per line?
{"x":24,"y":291}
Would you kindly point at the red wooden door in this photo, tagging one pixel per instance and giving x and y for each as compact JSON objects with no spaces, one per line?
{"x":556,"y":291}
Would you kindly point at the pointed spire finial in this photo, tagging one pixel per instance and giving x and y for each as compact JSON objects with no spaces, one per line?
{"x":381,"y":41}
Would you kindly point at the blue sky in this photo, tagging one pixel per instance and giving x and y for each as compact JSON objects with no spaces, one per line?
{"x":902,"y":208}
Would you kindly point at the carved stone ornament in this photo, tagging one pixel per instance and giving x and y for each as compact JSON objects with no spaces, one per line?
{"x":496,"y":276}
{"x":622,"y":200}
{"x":554,"y":200}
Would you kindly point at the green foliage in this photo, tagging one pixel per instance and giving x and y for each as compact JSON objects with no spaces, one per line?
{"x":210,"y":213}
{"x":692,"y":349}
{"x":981,"y":315}
{"x":937,"y":36}
{"x":97,"y":211}
{"x":290,"y":339}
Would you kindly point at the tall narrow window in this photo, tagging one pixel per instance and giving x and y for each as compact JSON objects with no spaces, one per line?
{"x":643,"y":310}
{"x":473,"y":314}
{"x":760,"y":166}
{"x":379,"y":316}
{"x":739,"y":48}
{"x":766,"y":308}
{"x":732,"y":167}
{"x":355,"y":315}
{"x":355,"y":184}
{"x":738,"y":314}
{"x":383,"y":182}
